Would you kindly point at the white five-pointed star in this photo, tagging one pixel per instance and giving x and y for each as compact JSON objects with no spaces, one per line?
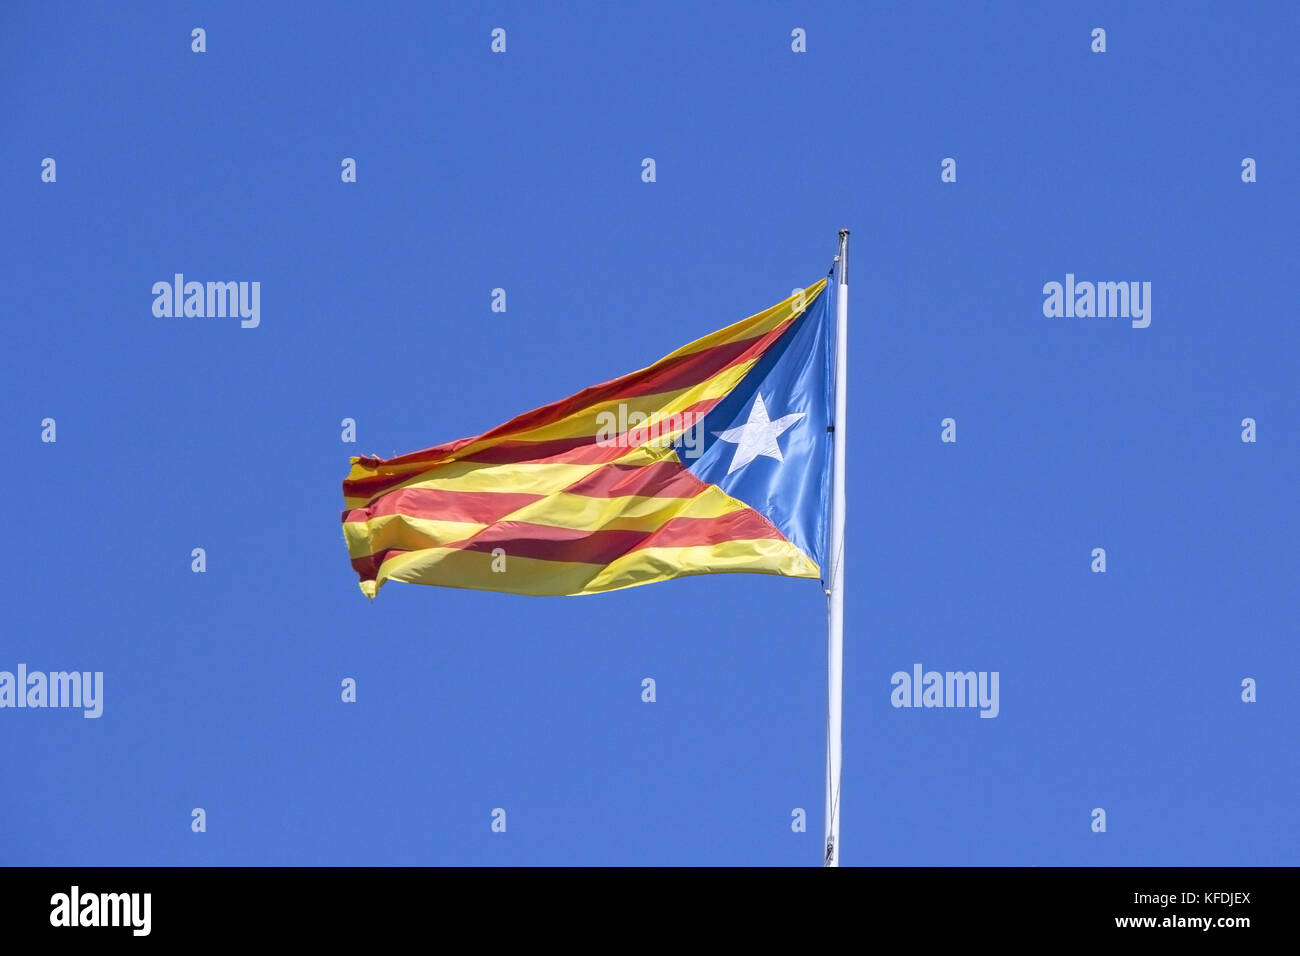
{"x":758,"y":435}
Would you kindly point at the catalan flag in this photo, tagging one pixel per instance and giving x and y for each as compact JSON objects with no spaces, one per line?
{"x":714,"y":459}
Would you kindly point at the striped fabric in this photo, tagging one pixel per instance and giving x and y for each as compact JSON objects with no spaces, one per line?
{"x":546,"y":504}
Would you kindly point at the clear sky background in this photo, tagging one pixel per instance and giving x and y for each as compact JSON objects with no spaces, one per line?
{"x":523,"y":171}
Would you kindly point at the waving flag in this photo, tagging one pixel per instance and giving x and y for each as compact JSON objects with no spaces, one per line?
{"x":715,"y":459}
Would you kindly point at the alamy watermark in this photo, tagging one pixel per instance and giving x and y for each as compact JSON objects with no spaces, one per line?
{"x":948,"y":689}
{"x":1102,"y":300}
{"x":212,"y":300}
{"x":82,"y":689}
{"x":634,"y":429}
{"x":76,"y":908}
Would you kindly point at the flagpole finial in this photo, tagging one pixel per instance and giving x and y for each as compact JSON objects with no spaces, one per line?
{"x":844,"y":232}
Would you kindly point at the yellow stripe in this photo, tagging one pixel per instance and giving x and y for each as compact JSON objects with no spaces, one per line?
{"x":524,"y":477}
{"x":753,"y":326}
{"x":764,"y":556}
{"x":546,"y":477}
{"x":659,"y":406}
{"x":403,"y":533}
{"x":583,"y":422}
{"x":627,"y":513}
{"x":662,"y":404}
{"x":452,"y":567}
{"x":562,"y":510}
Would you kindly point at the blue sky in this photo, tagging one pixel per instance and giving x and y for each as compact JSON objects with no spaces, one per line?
{"x":523,"y":171}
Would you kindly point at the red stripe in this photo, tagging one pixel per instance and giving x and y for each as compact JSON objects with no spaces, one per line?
{"x":663,"y":479}
{"x":522,"y":539}
{"x":547,"y":543}
{"x":368,"y":567}
{"x":550,"y":543}
{"x":582,"y":450}
{"x":566,"y":451}
{"x":480,"y":507}
{"x":734,"y":526}
{"x":678,"y":373}
{"x":570,"y":451}
{"x":692,"y":369}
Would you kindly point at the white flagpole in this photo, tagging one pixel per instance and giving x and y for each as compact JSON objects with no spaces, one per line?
{"x":835,"y":591}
